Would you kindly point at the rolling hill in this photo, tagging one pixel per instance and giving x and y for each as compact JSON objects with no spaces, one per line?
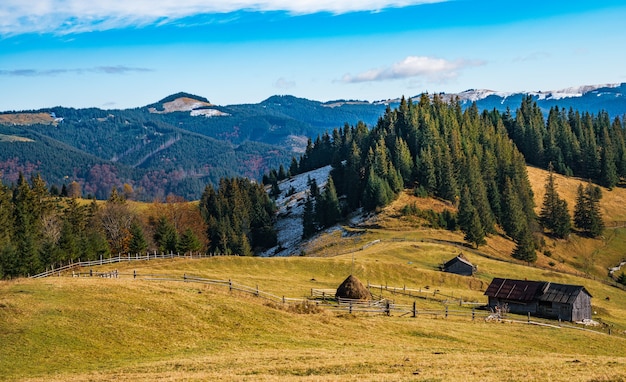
{"x":182,"y":142}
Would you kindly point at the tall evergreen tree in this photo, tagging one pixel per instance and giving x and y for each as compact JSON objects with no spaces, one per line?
{"x":327,"y":209}
{"x":469,"y":221}
{"x":189,"y":242}
{"x":554,"y":214}
{"x":308,"y":218}
{"x":587,"y":215}
{"x":138,"y":243}
{"x":525,"y":247}
{"x":513,"y":220}
{"x":165,"y":235}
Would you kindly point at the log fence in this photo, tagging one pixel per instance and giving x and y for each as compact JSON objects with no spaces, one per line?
{"x":120,"y":258}
{"x":379,"y":306}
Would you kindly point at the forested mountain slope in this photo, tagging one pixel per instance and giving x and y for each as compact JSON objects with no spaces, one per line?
{"x":181,"y":143}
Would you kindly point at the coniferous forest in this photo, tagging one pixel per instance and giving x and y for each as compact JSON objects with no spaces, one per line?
{"x":475,"y":161}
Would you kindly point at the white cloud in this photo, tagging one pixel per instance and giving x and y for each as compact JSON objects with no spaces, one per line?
{"x":283,"y":83}
{"x":73,"y":16}
{"x":432,"y":69}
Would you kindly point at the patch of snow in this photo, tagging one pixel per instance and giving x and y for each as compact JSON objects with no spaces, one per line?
{"x":473,"y":95}
{"x":208,"y":113}
{"x":290,"y":210}
{"x":180,"y":104}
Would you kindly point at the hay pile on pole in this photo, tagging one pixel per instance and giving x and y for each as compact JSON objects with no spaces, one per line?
{"x":352,"y":288}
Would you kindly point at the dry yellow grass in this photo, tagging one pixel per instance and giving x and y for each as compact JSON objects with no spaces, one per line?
{"x":26,"y":119}
{"x":93,"y":329}
{"x":611,"y":205}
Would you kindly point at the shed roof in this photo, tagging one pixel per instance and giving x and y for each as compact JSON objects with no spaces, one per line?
{"x":459,"y":258}
{"x":562,"y":293}
{"x":520,"y":290}
{"x":523,"y":290}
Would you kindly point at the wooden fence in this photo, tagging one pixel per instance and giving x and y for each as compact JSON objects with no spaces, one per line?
{"x":120,"y":258}
{"x":380,"y":306}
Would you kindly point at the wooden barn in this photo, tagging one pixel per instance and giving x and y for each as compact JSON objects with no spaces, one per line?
{"x":459,"y":265}
{"x":541,"y":298}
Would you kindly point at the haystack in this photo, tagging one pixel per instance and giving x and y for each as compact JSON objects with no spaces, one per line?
{"x":353,"y":289}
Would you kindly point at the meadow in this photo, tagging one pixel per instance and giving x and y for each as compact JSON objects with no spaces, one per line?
{"x":67,"y":328}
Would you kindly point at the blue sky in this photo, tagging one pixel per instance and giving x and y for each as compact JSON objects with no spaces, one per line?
{"x":129,"y":53}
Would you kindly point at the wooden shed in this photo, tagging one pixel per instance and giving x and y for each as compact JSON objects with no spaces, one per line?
{"x":541,"y":298}
{"x":460,"y":266}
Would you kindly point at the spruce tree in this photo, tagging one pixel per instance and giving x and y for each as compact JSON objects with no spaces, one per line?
{"x":327,"y":209}
{"x":469,"y":221}
{"x":189,"y":241}
{"x":554,"y":214}
{"x":138,"y":243}
{"x":308,"y":218}
{"x":525,"y":247}
{"x":587,"y":216}
{"x":513,"y":219}
{"x":165,"y":235}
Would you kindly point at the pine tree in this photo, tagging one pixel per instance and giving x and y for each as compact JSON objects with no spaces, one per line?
{"x":513,"y":220}
{"x":189,"y":242}
{"x":327,"y":209}
{"x":525,"y":247}
{"x":165,"y":235}
{"x":608,"y":168}
{"x":308,"y":218}
{"x":587,"y":216}
{"x":138,"y":243}
{"x":403,"y":161}
{"x":554,"y":214}
{"x":469,"y":221}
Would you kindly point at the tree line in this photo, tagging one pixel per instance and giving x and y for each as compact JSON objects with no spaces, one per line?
{"x":464,"y":157}
{"x":580,"y":144}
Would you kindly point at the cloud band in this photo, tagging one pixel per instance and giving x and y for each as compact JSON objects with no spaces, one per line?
{"x":75,"y":16}
{"x":431,"y":68}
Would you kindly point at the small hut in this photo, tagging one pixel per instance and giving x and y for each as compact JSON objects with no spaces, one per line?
{"x":460,"y":266}
{"x":352,"y":288}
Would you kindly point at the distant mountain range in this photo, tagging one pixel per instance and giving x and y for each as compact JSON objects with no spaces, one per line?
{"x":181,"y":143}
{"x":591,"y":98}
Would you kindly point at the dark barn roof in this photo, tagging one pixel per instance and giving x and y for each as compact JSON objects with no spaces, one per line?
{"x":522,"y":290}
{"x":459,"y":258}
{"x":562,"y":293}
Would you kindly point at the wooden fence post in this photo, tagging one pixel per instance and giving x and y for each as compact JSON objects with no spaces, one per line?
{"x":528,"y":317}
{"x":230,"y":286}
{"x":473,"y":313}
{"x":414,"y":310}
{"x":134,"y":273}
{"x":350,"y":307}
{"x":446,"y":311}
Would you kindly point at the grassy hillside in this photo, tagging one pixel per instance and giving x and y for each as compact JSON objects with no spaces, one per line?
{"x":64,"y":328}
{"x":98,"y":329}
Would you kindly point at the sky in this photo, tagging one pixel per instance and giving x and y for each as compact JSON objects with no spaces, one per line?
{"x":115,"y":54}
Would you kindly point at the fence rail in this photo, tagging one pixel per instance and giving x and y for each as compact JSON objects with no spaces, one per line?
{"x":379,"y":306}
{"x":426,"y":294}
{"x":122,"y":258}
